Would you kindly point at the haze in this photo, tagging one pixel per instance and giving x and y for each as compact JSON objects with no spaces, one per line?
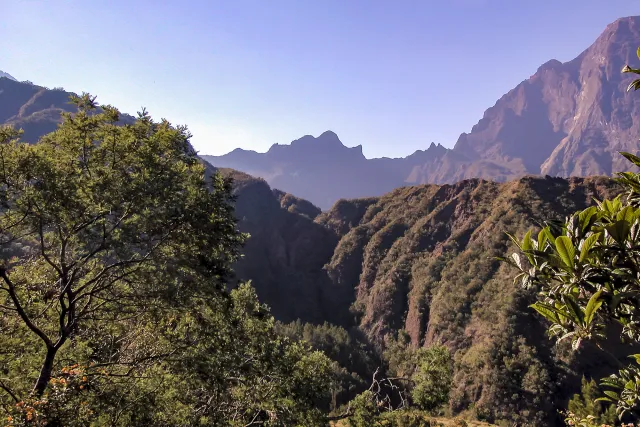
{"x":392,"y":76}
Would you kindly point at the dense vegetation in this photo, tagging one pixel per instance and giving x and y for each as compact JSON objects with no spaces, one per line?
{"x":113,"y":296}
{"x":124,"y":298}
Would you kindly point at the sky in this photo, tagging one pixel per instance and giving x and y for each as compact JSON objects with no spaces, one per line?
{"x":390,"y":75}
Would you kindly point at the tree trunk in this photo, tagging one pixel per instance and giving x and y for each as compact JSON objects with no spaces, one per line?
{"x":45,"y":372}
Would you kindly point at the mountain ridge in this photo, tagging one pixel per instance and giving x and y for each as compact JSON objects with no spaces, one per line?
{"x":7,"y":75}
{"x":417,"y":260}
{"x":567,"y":119}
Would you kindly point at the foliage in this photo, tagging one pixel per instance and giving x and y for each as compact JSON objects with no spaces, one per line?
{"x":364,"y":409}
{"x":426,"y":372}
{"x":432,"y":378}
{"x":635,"y":85}
{"x":113,"y":295}
{"x":587,"y":276}
{"x":584,"y":404}
{"x":355,"y":359}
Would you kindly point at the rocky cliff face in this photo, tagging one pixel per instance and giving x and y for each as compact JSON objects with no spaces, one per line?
{"x":567,"y":119}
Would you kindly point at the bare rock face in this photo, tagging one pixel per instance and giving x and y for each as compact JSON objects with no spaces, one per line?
{"x":567,"y":119}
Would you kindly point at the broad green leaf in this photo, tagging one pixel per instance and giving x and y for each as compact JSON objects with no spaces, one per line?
{"x":546,"y":311}
{"x":619,"y":230}
{"x":527,"y":244}
{"x":587,"y":218}
{"x":592,"y":306}
{"x":542,"y":239}
{"x":565,"y":249}
{"x":575,"y":311}
{"x":587,"y":244}
{"x":626,"y":214}
{"x":612,"y":394}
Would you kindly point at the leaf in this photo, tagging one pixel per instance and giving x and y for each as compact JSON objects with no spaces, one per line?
{"x":516,"y":259}
{"x":542,"y":239}
{"x":638,"y":53}
{"x":514,"y":240}
{"x":635,"y":85}
{"x":619,"y":230}
{"x":612,"y":394}
{"x":577,"y":315}
{"x":586,"y":217}
{"x":587,"y":244}
{"x":631,"y":157}
{"x":626,"y":214}
{"x":527,"y":244}
{"x":592,"y":306}
{"x":566,"y":250}
{"x":546,"y":311}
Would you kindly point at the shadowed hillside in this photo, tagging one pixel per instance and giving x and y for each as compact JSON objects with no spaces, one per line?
{"x":422,"y":259}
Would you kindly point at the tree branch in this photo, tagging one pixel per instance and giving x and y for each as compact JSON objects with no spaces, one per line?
{"x":23,"y":315}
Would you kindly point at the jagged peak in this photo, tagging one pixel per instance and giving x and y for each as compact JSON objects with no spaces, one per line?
{"x":7,"y":75}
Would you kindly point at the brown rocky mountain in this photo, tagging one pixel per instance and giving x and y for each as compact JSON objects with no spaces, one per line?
{"x":567,"y":119}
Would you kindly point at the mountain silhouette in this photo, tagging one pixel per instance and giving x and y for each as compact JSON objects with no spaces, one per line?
{"x":567,"y":119}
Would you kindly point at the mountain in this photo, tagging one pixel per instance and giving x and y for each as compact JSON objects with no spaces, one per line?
{"x":320,"y":169}
{"x":6,"y":75}
{"x":421,"y":260}
{"x":418,"y":259}
{"x":567,"y":119}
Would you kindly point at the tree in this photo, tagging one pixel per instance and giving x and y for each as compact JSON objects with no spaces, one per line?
{"x":113,"y":295}
{"x":426,"y":373}
{"x":432,"y":378}
{"x":587,"y":274}
{"x":584,"y":404}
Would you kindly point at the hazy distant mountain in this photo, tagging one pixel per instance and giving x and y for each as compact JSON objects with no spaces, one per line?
{"x":568,"y":119}
{"x":323,"y":170}
{"x":7,"y":75}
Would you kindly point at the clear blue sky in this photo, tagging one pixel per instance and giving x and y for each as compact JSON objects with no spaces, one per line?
{"x":392,"y":75}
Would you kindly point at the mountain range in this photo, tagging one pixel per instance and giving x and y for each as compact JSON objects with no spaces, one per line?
{"x":567,"y":119}
{"x":419,"y":257}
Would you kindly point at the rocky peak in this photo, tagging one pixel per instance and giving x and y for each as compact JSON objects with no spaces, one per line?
{"x":7,"y":75}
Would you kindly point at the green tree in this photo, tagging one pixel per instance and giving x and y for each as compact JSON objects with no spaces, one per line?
{"x":426,"y":373}
{"x":114,"y":307}
{"x":584,"y":404}
{"x":587,"y":274}
{"x":432,"y":378}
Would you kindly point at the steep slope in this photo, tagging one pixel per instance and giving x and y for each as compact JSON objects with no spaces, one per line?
{"x":286,"y":251}
{"x":6,"y":75}
{"x":35,"y":109}
{"x":421,"y":259}
{"x":567,"y":119}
